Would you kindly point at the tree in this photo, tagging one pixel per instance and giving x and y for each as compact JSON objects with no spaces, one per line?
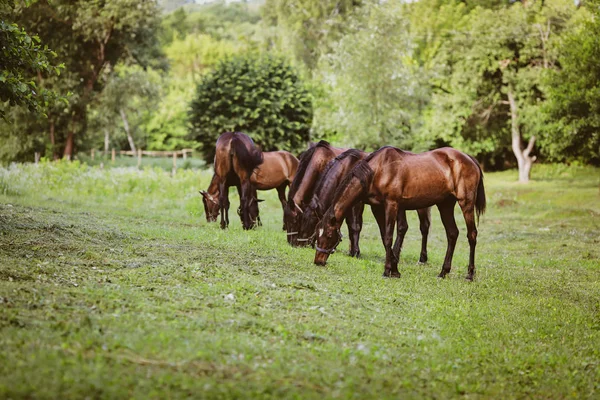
{"x":309,"y":27}
{"x":374,"y":87}
{"x":492,"y":90}
{"x":130,"y":96}
{"x":23,"y":56}
{"x":573,"y":106}
{"x":88,"y":37}
{"x":261,"y":96}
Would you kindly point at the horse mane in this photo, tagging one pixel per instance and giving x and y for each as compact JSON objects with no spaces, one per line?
{"x":361,"y":171}
{"x":304,"y":161}
{"x":249,"y":158}
{"x":323,"y":178}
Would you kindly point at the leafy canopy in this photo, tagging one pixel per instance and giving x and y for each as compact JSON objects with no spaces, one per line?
{"x":23,"y":55}
{"x":261,"y":96}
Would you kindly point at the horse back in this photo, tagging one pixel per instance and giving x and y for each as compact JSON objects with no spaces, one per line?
{"x":317,"y":163}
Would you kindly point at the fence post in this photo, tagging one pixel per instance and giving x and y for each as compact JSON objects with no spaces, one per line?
{"x":184,"y":155}
{"x":139,"y":158}
{"x":93,"y":153}
{"x":37,"y":158}
{"x":174,"y":163}
{"x":112,"y":155}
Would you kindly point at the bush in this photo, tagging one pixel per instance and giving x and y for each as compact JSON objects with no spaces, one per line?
{"x":261,"y":96}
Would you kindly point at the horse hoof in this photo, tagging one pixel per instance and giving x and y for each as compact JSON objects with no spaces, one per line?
{"x":422,"y":262}
{"x":442,"y":275}
{"x":470,"y":277}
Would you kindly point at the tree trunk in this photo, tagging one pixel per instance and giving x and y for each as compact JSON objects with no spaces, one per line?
{"x":106,"y":141}
{"x":126,"y":125}
{"x":53,"y":141}
{"x":68,"y":153}
{"x":523,"y":159}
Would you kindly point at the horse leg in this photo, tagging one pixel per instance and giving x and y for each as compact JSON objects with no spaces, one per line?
{"x":391,"y":262}
{"x":379,"y":214}
{"x":281,"y":194}
{"x":245,"y":196}
{"x":401,"y":232}
{"x":355,"y":222}
{"x":468,"y":209}
{"x":425,"y":223}
{"x":447,"y":213}
{"x":224,"y":204}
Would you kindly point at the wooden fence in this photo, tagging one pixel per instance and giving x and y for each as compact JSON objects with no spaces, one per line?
{"x":140,"y":153}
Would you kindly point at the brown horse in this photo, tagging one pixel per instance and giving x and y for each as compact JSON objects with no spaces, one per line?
{"x":276,"y":172}
{"x":322,"y":196}
{"x":235,"y":160}
{"x":322,"y":199}
{"x":393,"y":181}
{"x":312,"y":163}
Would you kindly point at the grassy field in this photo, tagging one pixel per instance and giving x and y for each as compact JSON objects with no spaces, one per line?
{"x":113,"y":285}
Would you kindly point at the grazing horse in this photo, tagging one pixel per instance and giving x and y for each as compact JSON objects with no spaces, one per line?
{"x":393,"y":181}
{"x":235,"y":160}
{"x":322,"y":199}
{"x":312,"y":163}
{"x":276,"y":172}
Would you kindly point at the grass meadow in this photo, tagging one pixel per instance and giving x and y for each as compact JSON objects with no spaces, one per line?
{"x":113,"y":285}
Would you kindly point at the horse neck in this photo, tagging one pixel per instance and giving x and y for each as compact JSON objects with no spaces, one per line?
{"x":328,"y":188}
{"x":346,"y":197}
{"x":213,"y":188}
{"x":306,"y":185}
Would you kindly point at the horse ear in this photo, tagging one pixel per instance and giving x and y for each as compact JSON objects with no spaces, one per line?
{"x":260,"y":200}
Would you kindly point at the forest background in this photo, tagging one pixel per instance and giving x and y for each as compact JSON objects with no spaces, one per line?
{"x":509,"y":82}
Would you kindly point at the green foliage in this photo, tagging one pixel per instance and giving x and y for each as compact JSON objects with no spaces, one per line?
{"x":23,"y":56}
{"x":372,"y":83}
{"x":112,"y":281}
{"x":572,"y":126}
{"x":307,"y":28}
{"x":87,"y":37}
{"x":499,"y":51}
{"x":130,"y":97}
{"x":261,"y":96}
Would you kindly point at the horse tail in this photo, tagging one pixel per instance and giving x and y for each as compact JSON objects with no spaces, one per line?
{"x":480,"y":201}
{"x":248,"y":157}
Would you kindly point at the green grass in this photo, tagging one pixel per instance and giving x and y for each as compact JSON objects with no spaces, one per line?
{"x":113,"y":285}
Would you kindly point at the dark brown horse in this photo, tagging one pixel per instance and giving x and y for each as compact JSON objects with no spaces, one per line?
{"x":312,"y":163}
{"x":322,"y":196}
{"x":235,"y":160}
{"x":322,"y":199}
{"x":393,"y":181}
{"x":276,"y":172}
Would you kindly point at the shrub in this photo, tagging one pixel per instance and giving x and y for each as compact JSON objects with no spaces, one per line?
{"x":261,"y":96}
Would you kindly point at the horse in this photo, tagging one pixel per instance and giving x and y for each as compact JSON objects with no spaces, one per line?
{"x":312,"y":163}
{"x":276,"y":172}
{"x":235,"y":160}
{"x":393,"y":181}
{"x":322,"y":198}
{"x":325,"y":187}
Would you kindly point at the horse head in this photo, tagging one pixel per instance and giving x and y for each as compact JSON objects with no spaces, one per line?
{"x":329,"y":237}
{"x":292,"y":215}
{"x":310,"y":218}
{"x":249,"y":212}
{"x":211,"y":206}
